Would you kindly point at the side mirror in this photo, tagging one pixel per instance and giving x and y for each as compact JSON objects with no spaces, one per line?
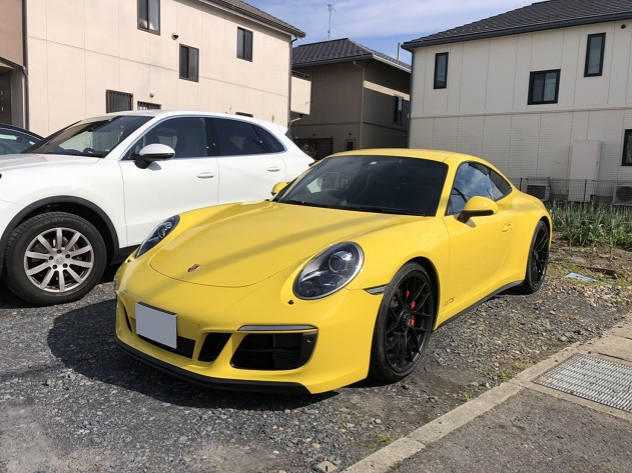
{"x":279,"y":187}
{"x":478,"y":206}
{"x":154,"y":152}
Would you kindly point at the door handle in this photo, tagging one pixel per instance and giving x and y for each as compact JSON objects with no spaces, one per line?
{"x":507,"y":227}
{"x":206,"y":175}
{"x":274,"y":168}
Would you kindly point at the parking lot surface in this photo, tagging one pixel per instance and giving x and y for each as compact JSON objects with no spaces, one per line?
{"x":71,"y":401}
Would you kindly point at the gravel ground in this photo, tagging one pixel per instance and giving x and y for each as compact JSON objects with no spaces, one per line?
{"x":71,"y":401}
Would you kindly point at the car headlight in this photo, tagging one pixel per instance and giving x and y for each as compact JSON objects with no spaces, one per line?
{"x":329,"y":271}
{"x":157,"y":235}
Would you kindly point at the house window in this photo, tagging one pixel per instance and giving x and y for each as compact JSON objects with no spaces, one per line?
{"x":147,"y":106}
{"x":244,"y":114}
{"x":544,"y":87}
{"x":441,"y":71}
{"x":594,"y":54}
{"x":244,"y":44}
{"x":149,"y":15}
{"x":398,"y":110}
{"x":350,"y":145}
{"x":117,"y":101}
{"x":189,"y":63}
{"x":627,"y":149}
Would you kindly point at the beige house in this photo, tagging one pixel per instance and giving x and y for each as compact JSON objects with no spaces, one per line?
{"x":63,"y":60}
{"x":360,"y":98}
{"x":544,"y":91}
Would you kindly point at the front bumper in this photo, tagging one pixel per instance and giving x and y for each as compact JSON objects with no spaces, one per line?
{"x":262,"y":337}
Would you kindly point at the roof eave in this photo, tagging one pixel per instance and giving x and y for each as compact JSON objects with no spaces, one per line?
{"x":364,"y":57}
{"x":285,"y":28}
{"x":421,"y":43}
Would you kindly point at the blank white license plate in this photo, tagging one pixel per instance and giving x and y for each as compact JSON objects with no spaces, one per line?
{"x":156,"y":325}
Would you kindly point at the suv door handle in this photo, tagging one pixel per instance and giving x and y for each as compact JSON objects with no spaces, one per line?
{"x":274,"y":168}
{"x":206,"y":175}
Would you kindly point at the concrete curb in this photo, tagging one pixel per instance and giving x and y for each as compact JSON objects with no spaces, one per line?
{"x":615,"y":343}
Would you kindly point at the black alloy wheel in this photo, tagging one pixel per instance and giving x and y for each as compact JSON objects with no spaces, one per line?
{"x":538,"y":261}
{"x":403,"y":325}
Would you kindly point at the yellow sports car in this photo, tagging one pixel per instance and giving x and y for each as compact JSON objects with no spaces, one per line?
{"x":344,"y":274}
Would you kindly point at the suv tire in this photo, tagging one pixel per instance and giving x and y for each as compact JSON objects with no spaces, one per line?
{"x":53,"y":258}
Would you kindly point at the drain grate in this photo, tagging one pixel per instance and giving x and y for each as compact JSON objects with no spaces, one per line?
{"x":592,"y":378}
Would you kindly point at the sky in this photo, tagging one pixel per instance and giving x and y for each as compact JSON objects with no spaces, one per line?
{"x":381,"y":24}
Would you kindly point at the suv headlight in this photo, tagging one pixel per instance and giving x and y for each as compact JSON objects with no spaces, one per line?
{"x":157,"y":235}
{"x":329,"y":271}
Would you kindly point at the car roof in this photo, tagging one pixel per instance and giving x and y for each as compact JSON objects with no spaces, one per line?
{"x":198,"y":113}
{"x":449,"y":157}
{"x":22,"y":130}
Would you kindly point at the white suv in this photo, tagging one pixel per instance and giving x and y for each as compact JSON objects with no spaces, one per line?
{"x":90,"y":193}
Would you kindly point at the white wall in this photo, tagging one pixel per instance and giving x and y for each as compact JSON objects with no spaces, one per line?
{"x":484,"y":109}
{"x":78,"y":49}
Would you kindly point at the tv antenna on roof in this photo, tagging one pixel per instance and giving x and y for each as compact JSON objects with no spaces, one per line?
{"x":331,"y":8}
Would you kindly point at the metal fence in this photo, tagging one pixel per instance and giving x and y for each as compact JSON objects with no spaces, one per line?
{"x":577,"y":190}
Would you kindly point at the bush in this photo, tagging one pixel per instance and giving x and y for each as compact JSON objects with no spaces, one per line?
{"x":592,"y":224}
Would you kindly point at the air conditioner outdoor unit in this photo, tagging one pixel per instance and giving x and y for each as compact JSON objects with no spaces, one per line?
{"x":622,"y":194}
{"x":539,"y":187}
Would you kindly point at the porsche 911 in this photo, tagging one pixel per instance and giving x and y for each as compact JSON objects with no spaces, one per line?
{"x":344,"y":274}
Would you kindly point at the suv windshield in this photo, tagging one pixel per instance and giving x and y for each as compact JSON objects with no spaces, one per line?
{"x":384,"y":184}
{"x":90,"y":137}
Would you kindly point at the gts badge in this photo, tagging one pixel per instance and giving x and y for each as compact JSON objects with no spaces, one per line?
{"x":448,"y":302}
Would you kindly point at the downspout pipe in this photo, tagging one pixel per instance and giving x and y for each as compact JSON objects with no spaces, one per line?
{"x":361,"y":140}
{"x":25,"y":60}
{"x":289,"y":86}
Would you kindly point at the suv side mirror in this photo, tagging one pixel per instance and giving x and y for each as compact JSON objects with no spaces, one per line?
{"x":478,"y":206}
{"x":153,"y":152}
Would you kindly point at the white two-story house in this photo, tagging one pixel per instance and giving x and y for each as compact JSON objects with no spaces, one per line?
{"x":544,"y":92}
{"x":64,"y":60}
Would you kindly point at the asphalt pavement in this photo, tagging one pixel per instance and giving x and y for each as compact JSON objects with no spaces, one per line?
{"x":570,"y":413}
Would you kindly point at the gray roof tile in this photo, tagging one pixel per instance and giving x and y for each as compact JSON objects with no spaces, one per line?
{"x":339,"y":50}
{"x":535,"y":17}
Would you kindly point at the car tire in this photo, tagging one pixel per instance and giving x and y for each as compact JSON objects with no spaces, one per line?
{"x":538,"y":260}
{"x":404,"y":324}
{"x":42,"y":269}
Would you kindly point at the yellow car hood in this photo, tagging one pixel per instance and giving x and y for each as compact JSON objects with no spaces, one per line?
{"x":247,"y":243}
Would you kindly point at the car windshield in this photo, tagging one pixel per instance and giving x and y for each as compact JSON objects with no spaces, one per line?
{"x":384,"y":184}
{"x":94,"y":138}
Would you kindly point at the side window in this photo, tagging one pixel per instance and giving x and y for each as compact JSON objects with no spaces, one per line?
{"x":236,"y":138}
{"x":473,"y":179}
{"x":594,"y":55}
{"x":441,"y":71}
{"x":186,"y":135}
{"x":149,"y":15}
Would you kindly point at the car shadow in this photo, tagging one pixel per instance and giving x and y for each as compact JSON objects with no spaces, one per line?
{"x":84,"y":341}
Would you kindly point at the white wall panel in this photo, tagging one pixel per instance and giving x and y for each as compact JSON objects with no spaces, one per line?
{"x":470,"y":135}
{"x":579,"y":129}
{"x":497,"y":142}
{"x":473,"y":74}
{"x":607,"y":127}
{"x":445,"y":133}
{"x":502,"y":75}
{"x":525,"y":137}
{"x":620,"y":74}
{"x":555,"y":145}
{"x":424,"y":132}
